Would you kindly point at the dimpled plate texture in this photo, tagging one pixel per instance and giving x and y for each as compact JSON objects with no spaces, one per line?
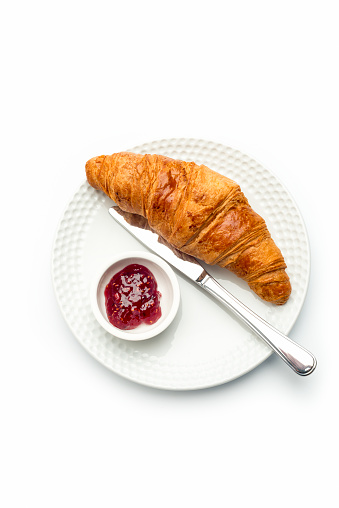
{"x":205,"y":345}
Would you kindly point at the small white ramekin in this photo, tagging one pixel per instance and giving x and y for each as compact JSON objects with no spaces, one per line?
{"x":167,"y":285}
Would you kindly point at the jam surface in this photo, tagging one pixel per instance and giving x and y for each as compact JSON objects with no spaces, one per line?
{"x":132,"y":298}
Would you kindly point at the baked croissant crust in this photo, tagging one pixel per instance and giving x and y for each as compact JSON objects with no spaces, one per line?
{"x":199,"y":212}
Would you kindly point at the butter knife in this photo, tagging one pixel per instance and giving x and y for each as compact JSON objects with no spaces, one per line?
{"x":298,"y":358}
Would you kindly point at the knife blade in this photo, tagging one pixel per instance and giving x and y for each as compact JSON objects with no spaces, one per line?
{"x":299,"y":359}
{"x":149,"y":239}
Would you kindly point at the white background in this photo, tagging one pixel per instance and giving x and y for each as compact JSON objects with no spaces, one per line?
{"x":84,"y":78}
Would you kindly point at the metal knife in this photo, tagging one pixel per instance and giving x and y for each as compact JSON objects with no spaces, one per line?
{"x":298,"y":358}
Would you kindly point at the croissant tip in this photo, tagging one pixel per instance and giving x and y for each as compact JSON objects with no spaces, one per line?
{"x":276,"y":292}
{"x":92,"y":167}
{"x":94,"y":161}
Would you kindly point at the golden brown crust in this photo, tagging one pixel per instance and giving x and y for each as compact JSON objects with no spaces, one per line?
{"x":199,"y":212}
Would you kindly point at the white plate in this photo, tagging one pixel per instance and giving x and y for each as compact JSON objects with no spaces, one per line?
{"x":205,"y":345}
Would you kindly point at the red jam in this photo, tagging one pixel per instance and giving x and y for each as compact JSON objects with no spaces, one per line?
{"x":132,"y":298}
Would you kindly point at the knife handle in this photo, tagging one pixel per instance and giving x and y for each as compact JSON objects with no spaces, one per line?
{"x":298,"y":358}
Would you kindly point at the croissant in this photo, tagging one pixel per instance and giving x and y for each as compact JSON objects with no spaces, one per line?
{"x":199,"y":212}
